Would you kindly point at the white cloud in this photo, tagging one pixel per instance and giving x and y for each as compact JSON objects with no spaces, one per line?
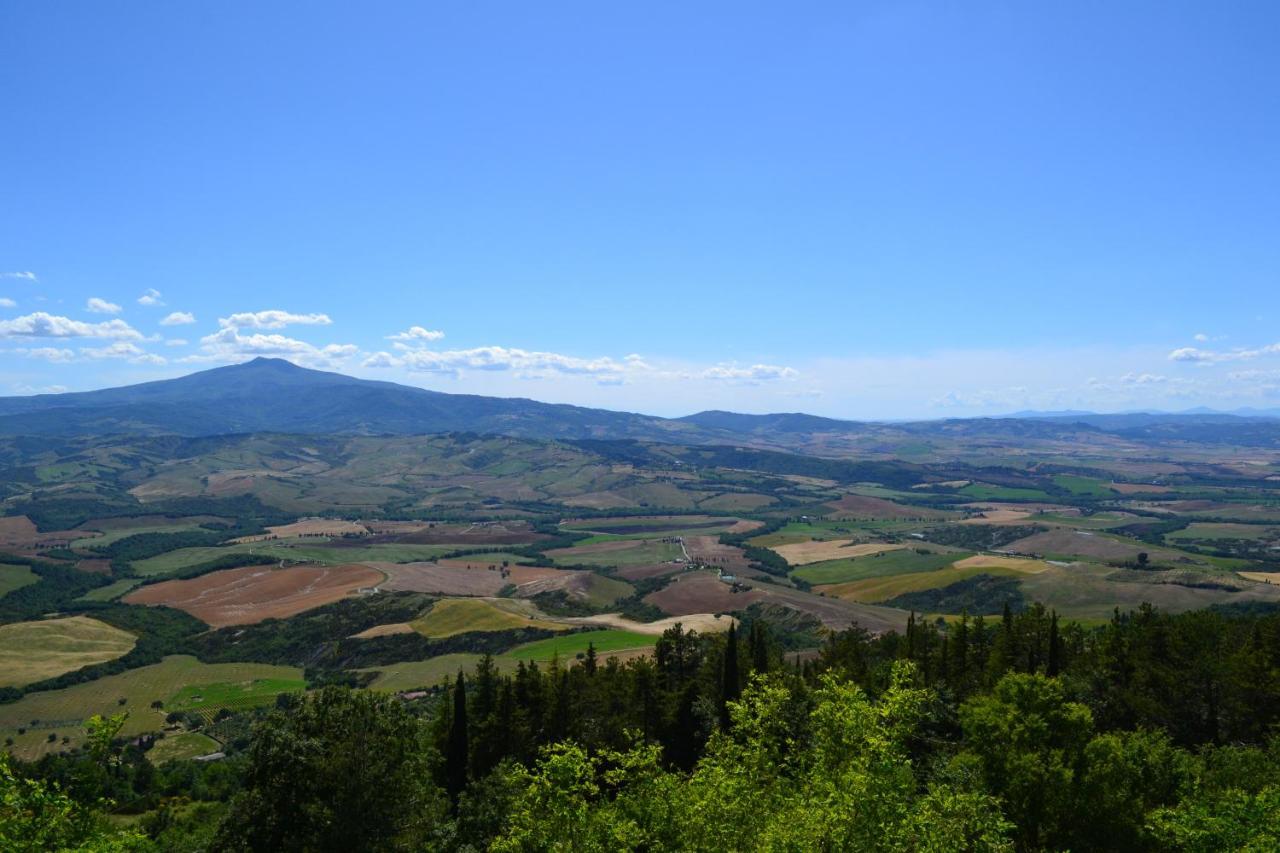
{"x":178,"y":318}
{"x":176,"y":342}
{"x":47,"y":389}
{"x":42,"y":325}
{"x":1201,"y":337}
{"x":273,"y":319}
{"x":1204,"y":356}
{"x":415,"y":336}
{"x":229,"y":345}
{"x":6,"y":302}
{"x":133,"y":353}
{"x":101,"y":306}
{"x":529,"y":364}
{"x":754,"y":373}
{"x":53,"y":354}
{"x":151,"y":298}
{"x":25,"y":276}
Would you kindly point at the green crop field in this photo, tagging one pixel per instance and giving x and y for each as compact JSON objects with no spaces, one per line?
{"x":569,"y":646}
{"x":63,"y":712}
{"x":642,"y":552}
{"x":34,"y":651}
{"x":181,"y":747}
{"x":987,"y":492}
{"x":452,"y":616}
{"x":111,"y":536}
{"x":207,"y":699}
{"x":15,"y":577}
{"x":1209,"y":531}
{"x":111,"y":591}
{"x":875,"y":566}
{"x":816,"y":530}
{"x":411,"y":675}
{"x":1086,"y":486}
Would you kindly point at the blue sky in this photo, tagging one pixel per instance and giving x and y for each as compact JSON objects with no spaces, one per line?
{"x":860,"y":210}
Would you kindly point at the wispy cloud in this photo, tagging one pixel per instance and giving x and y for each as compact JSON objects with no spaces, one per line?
{"x":1205,"y":356}
{"x":56,"y":355}
{"x":42,"y":325}
{"x":151,"y":298}
{"x":176,"y":342}
{"x":495,"y":358}
{"x":6,"y":302}
{"x":178,"y":318}
{"x":130,"y":352}
{"x":101,"y":306}
{"x":24,"y":276}
{"x":273,"y":319}
{"x":754,"y":373}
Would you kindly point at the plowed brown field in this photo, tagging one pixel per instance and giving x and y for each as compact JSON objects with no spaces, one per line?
{"x":253,"y":593}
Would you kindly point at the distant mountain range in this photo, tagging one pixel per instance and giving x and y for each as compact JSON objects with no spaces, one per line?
{"x":273,"y":395}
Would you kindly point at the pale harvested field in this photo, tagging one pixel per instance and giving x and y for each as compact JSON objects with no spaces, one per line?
{"x":988,"y":561}
{"x":1006,"y":513}
{"x":384,"y":631}
{"x":1262,"y":577}
{"x":34,"y":651}
{"x":310,"y":527}
{"x":253,"y":593}
{"x":804,"y":553}
{"x":441,"y":578}
{"x":703,"y":623}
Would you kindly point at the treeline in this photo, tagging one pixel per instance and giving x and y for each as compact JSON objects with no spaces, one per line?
{"x":1153,"y":732}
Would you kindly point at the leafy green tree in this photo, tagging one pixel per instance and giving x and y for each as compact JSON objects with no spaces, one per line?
{"x":1028,"y":742}
{"x":346,"y":770}
{"x":36,"y":816}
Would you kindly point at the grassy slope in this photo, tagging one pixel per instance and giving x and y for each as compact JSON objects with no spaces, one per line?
{"x":64,"y":711}
{"x":453,"y":616}
{"x":34,"y":651}
{"x":568,"y":646}
{"x":15,"y":577}
{"x":885,"y":564}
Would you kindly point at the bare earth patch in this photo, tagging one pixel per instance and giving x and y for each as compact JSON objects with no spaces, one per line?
{"x":309,"y":527}
{"x":988,"y":561}
{"x":253,"y":593}
{"x":803,"y":553}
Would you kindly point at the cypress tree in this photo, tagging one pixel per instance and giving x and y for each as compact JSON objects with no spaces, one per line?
{"x":731,"y":689}
{"x":456,"y":748}
{"x":1055,"y":648}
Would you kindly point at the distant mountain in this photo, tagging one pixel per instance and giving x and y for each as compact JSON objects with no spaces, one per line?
{"x":273,"y":395}
{"x":792,"y":422}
